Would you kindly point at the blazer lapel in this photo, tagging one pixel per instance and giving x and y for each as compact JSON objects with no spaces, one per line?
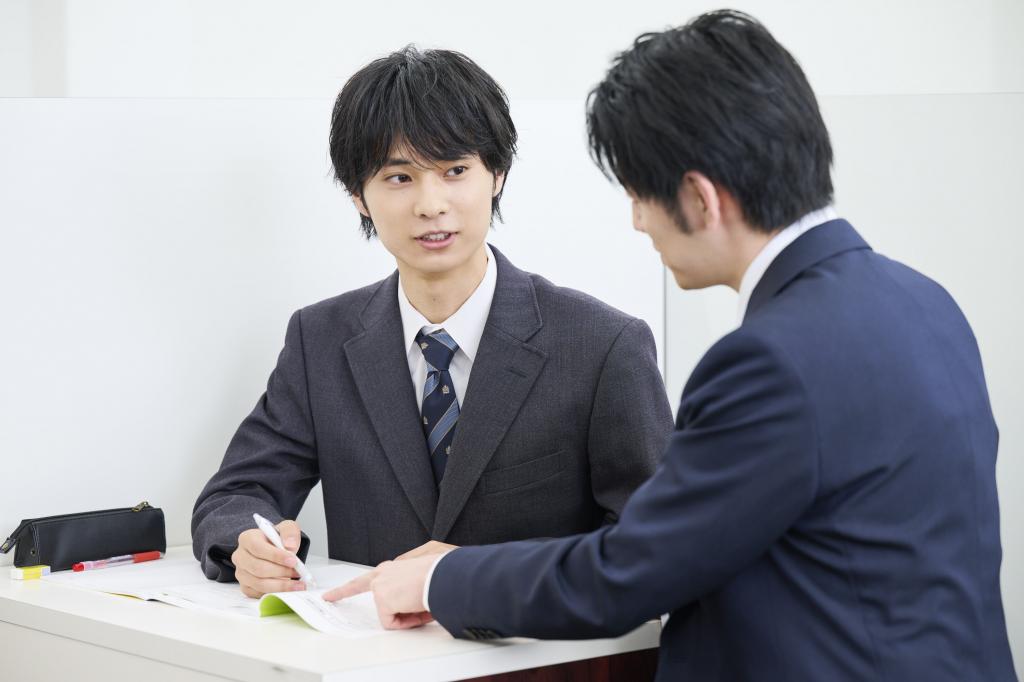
{"x":503,"y":373}
{"x":381,"y":370}
{"x":822,"y":242}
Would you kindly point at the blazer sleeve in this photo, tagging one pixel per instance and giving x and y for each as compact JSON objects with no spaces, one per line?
{"x":269,"y":467}
{"x":739,"y":470}
{"x":630,"y":421}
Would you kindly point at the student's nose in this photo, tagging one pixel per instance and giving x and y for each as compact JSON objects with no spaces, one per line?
{"x":432,"y":199}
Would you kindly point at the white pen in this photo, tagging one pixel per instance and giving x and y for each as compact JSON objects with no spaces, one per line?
{"x":268,"y":529}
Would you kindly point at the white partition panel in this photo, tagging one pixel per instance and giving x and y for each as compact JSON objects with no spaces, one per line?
{"x":153,"y":249}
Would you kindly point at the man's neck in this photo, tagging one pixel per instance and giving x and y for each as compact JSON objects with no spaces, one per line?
{"x":749,"y":243}
{"x":437,"y":296}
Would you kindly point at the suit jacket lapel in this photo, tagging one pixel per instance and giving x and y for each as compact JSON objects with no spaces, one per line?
{"x":827,"y":240}
{"x":504,"y":371}
{"x":381,"y":370}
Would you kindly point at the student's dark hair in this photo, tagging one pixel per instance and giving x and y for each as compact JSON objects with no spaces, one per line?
{"x":437,"y":103}
{"x":720,"y":96}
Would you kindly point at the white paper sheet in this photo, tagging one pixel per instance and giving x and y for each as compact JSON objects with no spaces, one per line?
{"x":353,"y":617}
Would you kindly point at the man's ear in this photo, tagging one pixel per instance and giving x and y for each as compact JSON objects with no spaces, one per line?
{"x":700,"y":201}
{"x":499,"y":183}
{"x":357,"y":201}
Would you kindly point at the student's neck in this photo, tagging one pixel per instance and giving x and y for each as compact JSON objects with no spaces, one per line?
{"x":437,"y":296}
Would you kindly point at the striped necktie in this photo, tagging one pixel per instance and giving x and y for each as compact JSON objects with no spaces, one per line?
{"x":440,"y":404}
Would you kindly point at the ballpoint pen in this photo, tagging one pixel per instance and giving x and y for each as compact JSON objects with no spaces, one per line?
{"x":268,"y":529}
{"x":115,"y":561}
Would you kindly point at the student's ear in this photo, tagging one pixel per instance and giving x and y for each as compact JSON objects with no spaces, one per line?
{"x":700,"y":201}
{"x":357,"y":201}
{"x":499,"y":182}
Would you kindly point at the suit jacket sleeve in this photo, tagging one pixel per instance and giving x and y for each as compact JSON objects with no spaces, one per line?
{"x":740,"y":468}
{"x":269,"y":467}
{"x":630,"y":421}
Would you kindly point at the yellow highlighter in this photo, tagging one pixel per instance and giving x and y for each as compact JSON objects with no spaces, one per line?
{"x":29,"y":572}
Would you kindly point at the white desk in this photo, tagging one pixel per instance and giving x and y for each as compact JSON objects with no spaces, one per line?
{"x":54,"y":632}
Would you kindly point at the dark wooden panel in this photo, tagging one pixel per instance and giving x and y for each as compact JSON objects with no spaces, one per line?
{"x":635,"y":666}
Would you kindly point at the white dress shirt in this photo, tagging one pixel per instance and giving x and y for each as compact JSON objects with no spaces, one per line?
{"x":465,"y":326}
{"x":785,"y":237}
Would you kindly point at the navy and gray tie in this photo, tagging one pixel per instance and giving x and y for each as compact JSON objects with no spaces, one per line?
{"x":440,"y":404}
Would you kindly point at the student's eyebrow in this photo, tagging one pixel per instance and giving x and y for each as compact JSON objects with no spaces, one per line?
{"x":399,"y":161}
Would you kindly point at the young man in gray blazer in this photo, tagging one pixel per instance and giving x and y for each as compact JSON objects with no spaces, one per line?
{"x":460,"y":400}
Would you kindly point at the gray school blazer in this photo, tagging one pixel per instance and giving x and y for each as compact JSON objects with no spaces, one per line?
{"x":564,"y":416}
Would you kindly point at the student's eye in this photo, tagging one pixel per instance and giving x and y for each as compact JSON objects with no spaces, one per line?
{"x":397,"y":179}
{"x":457,"y":170}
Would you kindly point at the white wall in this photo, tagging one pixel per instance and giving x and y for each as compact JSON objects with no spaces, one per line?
{"x":535,"y":48}
{"x":928,"y":164}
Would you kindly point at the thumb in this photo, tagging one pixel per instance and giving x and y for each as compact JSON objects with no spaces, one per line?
{"x":290,"y":535}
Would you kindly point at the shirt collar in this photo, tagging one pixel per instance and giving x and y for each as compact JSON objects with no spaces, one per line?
{"x":775,"y":246}
{"x":466,"y":325}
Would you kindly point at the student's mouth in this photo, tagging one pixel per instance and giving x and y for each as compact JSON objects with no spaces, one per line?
{"x":436,"y":239}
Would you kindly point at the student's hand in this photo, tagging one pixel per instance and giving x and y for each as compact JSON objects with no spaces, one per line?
{"x":261,"y":568}
{"x":397,"y":591}
{"x":432,"y":547}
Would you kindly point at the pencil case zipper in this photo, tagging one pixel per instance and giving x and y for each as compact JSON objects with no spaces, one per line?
{"x":14,"y":537}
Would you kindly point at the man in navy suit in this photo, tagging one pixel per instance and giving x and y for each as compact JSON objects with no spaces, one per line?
{"x":826,"y":508}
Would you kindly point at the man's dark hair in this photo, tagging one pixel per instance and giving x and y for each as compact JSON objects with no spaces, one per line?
{"x":722,"y":97}
{"x":437,"y":103}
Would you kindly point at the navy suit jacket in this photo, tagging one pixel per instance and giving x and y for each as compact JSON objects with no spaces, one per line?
{"x":826,"y":508}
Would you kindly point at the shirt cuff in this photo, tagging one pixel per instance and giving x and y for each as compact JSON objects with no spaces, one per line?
{"x":426,"y":581}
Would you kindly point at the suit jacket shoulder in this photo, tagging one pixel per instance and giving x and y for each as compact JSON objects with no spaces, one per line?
{"x":341,"y":315}
{"x":567,"y":307}
{"x":579,"y":324}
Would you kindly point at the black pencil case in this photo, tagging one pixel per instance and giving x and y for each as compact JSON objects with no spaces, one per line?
{"x":60,"y":541}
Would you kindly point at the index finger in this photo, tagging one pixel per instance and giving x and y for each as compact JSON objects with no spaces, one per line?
{"x":351,"y":588}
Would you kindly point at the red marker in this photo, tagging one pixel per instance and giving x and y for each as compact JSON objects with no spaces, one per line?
{"x":116,"y":561}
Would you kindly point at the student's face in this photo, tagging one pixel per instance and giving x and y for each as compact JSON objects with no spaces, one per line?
{"x":432,"y":217}
{"x":694,"y":257}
